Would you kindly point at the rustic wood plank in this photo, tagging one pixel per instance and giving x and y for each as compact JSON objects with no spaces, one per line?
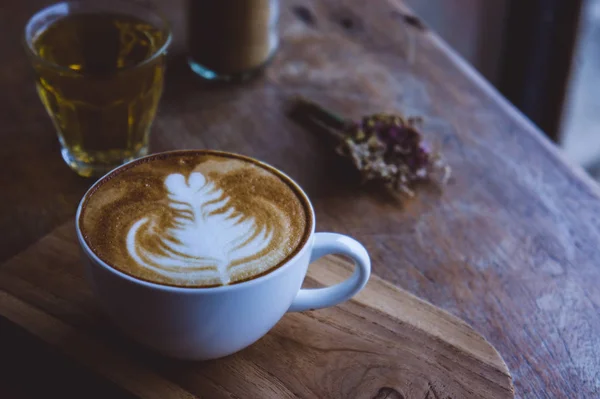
{"x":384,"y":339}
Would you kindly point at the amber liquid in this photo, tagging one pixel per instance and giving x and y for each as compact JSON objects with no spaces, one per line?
{"x":231,"y":38}
{"x":101,"y":86}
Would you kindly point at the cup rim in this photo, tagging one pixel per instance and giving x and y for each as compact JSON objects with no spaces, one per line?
{"x":194,"y":290}
{"x":104,"y":5}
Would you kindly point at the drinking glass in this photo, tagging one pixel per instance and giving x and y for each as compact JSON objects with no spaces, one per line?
{"x":99,"y":70}
{"x":231,"y":40}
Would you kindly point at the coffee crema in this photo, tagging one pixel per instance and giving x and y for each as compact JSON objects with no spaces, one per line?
{"x":195,"y":219}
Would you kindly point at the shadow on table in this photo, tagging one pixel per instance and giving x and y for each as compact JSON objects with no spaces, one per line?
{"x":181,"y":81}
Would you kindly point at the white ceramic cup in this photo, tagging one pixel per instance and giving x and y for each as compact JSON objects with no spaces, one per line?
{"x":208,"y":323}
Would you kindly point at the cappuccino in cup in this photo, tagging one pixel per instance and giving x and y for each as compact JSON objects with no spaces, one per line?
{"x":197,"y":254}
{"x":195,"y":219}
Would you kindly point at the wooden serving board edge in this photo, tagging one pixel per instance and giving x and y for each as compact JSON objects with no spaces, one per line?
{"x":378,"y":295}
{"x":88,"y":351}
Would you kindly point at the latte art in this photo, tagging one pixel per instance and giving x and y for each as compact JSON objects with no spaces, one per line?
{"x":206,"y":237}
{"x":195,"y":220}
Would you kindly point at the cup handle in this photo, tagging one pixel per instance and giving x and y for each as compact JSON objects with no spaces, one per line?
{"x":318,"y":298}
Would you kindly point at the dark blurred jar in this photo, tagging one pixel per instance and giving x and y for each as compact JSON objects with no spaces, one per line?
{"x":231,"y":39}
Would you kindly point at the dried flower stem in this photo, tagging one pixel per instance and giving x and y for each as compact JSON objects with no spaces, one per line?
{"x":382,"y":147}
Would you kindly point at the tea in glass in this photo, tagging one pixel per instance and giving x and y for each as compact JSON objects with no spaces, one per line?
{"x":99,"y":73}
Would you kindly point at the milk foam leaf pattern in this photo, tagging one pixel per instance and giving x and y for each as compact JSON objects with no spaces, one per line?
{"x":206,"y":235}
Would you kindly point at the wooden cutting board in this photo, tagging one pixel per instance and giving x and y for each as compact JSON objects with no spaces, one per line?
{"x":386,"y":343}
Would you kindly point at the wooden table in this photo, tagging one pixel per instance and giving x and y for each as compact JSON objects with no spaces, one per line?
{"x":511,"y":245}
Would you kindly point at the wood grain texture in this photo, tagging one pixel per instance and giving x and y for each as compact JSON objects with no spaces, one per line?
{"x":385,"y":339}
{"x":511,"y":245}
